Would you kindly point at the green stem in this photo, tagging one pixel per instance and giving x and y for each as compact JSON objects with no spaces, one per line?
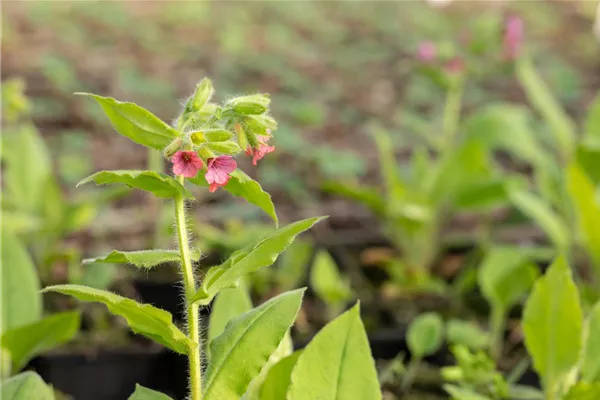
{"x":497,"y":323}
{"x":452,"y":114}
{"x":193,"y":316}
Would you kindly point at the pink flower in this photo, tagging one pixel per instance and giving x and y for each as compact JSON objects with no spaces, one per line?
{"x":455,"y":65}
{"x":426,"y":52}
{"x":218,"y":172}
{"x":263,"y":149}
{"x":513,"y":36}
{"x":186,"y":163}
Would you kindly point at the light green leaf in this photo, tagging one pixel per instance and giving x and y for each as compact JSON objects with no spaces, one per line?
{"x":336,"y":364}
{"x":505,"y":276}
{"x":459,"y":393}
{"x":26,"y":386}
{"x":144,"y":319}
{"x":369,"y":196}
{"x":250,"y":259}
{"x":395,"y":186}
{"x":327,"y":282}
{"x":590,"y":366}
{"x":21,"y":301}
{"x":278,"y":378}
{"x":552,"y":325}
{"x":160,"y":185}
{"x":583,"y":194}
{"x":538,"y":210}
{"x":584,"y":391}
{"x":425,"y":334}
{"x":135,"y":122}
{"x":591,"y":129}
{"x":228,"y":304}
{"x":241,"y":351}
{"x":293,"y":264}
{"x":466,"y":333}
{"x":522,"y":392}
{"x":143,"y":258}
{"x":27,"y":341}
{"x":142,"y":393}
{"x":242,"y":185}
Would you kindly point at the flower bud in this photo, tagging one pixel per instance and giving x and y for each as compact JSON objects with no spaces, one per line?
{"x":172,"y":148}
{"x":203,"y":93}
{"x":513,"y":37}
{"x":249,"y":108}
{"x":241,"y":135}
{"x":229,"y":147}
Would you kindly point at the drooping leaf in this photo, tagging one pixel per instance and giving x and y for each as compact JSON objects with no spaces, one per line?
{"x":506,"y":275}
{"x":278,"y":378}
{"x":541,"y":212}
{"x":229,"y":303}
{"x":21,"y":301}
{"x":160,"y":185}
{"x":590,"y":366}
{"x":135,"y":122}
{"x":425,"y":334}
{"x":241,"y":185}
{"x":327,"y":282}
{"x":466,"y":333}
{"x":143,"y":258}
{"x":240,"y":352}
{"x":336,"y":364}
{"x":553,"y":324}
{"x":251,"y":258}
{"x":144,"y":319}
{"x":27,"y":341}
{"x":143,"y":393}
{"x":26,"y":386}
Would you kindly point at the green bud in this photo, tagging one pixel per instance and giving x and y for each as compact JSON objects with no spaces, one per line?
{"x":172,"y":148}
{"x":198,"y":138}
{"x":260,"y":123}
{"x":203,"y":93}
{"x":260,"y":98}
{"x":229,"y":147}
{"x":249,"y":108}
{"x":218,"y":135}
{"x":241,"y":135}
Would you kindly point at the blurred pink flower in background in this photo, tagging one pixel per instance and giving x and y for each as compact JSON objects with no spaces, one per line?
{"x":218,"y":171}
{"x":513,"y":37}
{"x":426,"y":52}
{"x":455,"y":65}
{"x":186,"y":163}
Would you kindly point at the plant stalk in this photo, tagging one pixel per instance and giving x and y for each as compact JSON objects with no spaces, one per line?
{"x":192,"y":314}
{"x":452,"y":114}
{"x":497,"y":324}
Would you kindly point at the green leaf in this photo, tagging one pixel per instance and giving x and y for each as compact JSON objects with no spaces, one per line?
{"x":27,"y":341}
{"x":425,"y":334}
{"x":506,"y":275}
{"x":250,"y":259}
{"x":144,"y":319}
{"x":293,"y":264}
{"x":540,"y":211}
{"x":591,"y":129}
{"x":228,"y":304}
{"x":583,"y":194}
{"x":590,"y":365}
{"x":552,"y":325}
{"x":143,"y":258}
{"x":26,"y":386}
{"x":242,"y":185}
{"x":522,"y":392}
{"x":337,"y":363}
{"x":466,"y":333}
{"x":327,"y":282}
{"x":160,"y":185}
{"x":142,"y":393}
{"x":459,"y":393}
{"x":241,"y":351}
{"x":369,"y":196}
{"x":584,"y":391}
{"x":135,"y":122}
{"x":21,"y":301}
{"x":395,"y":186}
{"x":278,"y":378}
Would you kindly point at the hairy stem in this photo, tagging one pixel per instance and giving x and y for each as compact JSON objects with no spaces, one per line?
{"x":192,"y":314}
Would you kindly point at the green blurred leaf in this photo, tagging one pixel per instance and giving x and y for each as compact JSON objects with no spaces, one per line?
{"x":28,"y":341}
{"x":160,"y":185}
{"x":26,"y":386}
{"x":466,"y":333}
{"x":142,"y":393}
{"x":553,"y":325}
{"x":336,"y":364}
{"x":135,"y":122}
{"x":144,"y":319}
{"x":327,"y":282}
{"x":394,"y":184}
{"x":425,"y":334}
{"x":459,"y":393}
{"x":590,"y":365}
{"x":369,"y":196}
{"x":21,"y":301}
{"x":229,"y":304}
{"x":240,"y":352}
{"x":293,"y":264}
{"x":142,"y":258}
{"x":591,"y":128}
{"x":279,"y":378}
{"x":583,"y":391}
{"x":249,"y":259}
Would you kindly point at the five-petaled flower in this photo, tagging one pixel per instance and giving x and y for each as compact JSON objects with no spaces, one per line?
{"x":261,"y":150}
{"x":186,"y":163}
{"x":513,"y":36}
{"x":218,"y":171}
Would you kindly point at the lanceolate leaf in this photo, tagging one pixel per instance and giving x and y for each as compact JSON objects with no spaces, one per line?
{"x":25,"y":342}
{"x":250,"y":259}
{"x":336,"y":364}
{"x":552,"y":324}
{"x":135,"y":122}
{"x":26,"y":386}
{"x":21,"y":301}
{"x":590,"y":367}
{"x":142,"y":393}
{"x":160,"y":185}
{"x":278,"y":378}
{"x":144,"y":319}
{"x":241,"y":185}
{"x":240,"y":352}
{"x":143,"y":258}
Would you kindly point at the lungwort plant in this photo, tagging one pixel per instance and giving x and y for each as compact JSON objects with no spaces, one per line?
{"x":243,"y":357}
